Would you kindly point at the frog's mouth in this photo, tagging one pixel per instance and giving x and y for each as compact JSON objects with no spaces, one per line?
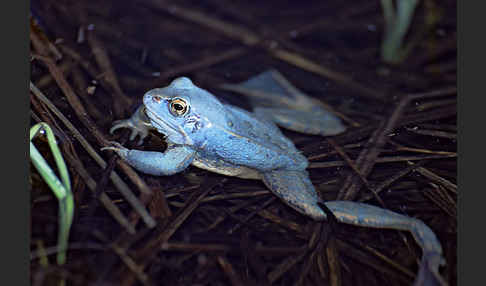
{"x":173,"y":134}
{"x":158,"y":122}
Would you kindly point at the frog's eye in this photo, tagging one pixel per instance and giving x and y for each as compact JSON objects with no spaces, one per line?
{"x":178,"y":107}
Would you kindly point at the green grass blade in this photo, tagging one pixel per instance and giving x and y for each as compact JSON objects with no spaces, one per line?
{"x":61,"y":188}
{"x":397,"y":25}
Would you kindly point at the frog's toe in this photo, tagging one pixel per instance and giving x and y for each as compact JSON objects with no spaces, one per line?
{"x":140,"y":140}
{"x":142,"y":133}
{"x":119,"y":124}
{"x":112,"y":146}
{"x":428,"y":273}
{"x":117,"y":147}
{"x":136,"y":129}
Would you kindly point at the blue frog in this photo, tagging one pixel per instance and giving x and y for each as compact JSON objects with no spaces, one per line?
{"x":202,"y":131}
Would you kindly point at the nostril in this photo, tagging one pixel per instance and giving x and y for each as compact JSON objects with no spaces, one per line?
{"x":157,"y":98}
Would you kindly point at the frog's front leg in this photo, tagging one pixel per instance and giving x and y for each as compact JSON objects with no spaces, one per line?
{"x":138,"y":123}
{"x":175,"y":159}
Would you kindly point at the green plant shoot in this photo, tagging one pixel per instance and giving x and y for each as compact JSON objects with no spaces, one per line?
{"x":61,"y":188}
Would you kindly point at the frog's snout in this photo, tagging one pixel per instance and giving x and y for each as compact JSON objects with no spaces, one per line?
{"x":148,"y":97}
{"x":152,"y":97}
{"x":157,"y":98}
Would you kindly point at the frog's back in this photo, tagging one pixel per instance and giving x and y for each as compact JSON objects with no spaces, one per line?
{"x":259,"y":129}
{"x":251,"y":140}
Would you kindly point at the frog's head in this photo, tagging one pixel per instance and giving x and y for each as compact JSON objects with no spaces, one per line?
{"x":183,"y":112}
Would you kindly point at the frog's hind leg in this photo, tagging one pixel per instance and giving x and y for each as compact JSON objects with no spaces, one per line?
{"x":272,"y":96}
{"x":296,"y":190}
{"x":370,"y":216}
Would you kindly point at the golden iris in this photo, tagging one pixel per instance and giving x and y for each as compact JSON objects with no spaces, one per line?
{"x":178,"y":107}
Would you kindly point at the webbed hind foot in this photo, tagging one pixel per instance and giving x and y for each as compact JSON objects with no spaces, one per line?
{"x":275,"y":98}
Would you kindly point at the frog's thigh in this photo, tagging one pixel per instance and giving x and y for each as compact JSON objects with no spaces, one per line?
{"x":173,"y":160}
{"x":296,"y":190}
{"x":316,"y":122}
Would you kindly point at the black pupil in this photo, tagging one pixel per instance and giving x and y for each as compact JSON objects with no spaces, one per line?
{"x":178,"y":107}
